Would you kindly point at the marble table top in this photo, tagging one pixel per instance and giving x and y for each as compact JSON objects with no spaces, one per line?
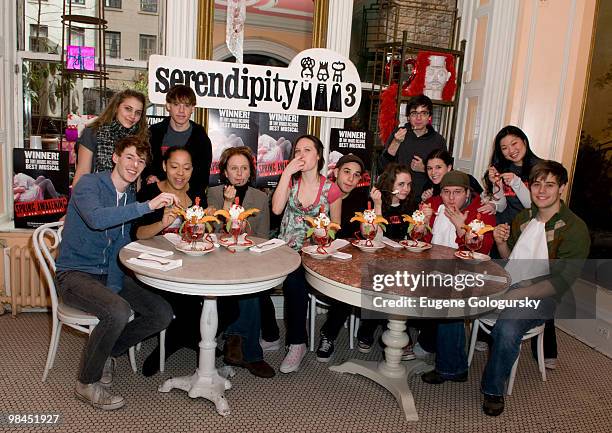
{"x":356,"y":273}
{"x":221,"y":266}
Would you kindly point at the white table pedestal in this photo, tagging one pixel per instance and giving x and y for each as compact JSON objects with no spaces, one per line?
{"x":206,"y":381}
{"x":390,"y":373}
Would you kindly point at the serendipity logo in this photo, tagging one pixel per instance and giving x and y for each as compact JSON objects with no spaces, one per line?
{"x":305,"y":87}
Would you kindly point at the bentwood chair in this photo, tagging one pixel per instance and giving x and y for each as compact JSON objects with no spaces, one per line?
{"x":536,"y":331}
{"x":314,"y":303}
{"x":46,"y":240}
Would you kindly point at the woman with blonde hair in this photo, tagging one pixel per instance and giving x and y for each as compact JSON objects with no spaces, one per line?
{"x":123,"y":116}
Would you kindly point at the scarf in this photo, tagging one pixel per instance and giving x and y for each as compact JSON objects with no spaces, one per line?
{"x":106,"y":137}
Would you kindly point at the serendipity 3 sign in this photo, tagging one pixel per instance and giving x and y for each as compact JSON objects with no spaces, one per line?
{"x":317,"y":82}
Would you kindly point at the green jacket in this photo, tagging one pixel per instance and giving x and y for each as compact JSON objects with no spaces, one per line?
{"x":568,"y":242}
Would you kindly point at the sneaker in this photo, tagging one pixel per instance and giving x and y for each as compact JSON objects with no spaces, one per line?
{"x":293,"y":358}
{"x":325,"y":350}
{"x":269,"y":346}
{"x":98,"y":396}
{"x":364,"y":346}
{"x":481,"y":346}
{"x":422,"y":354}
{"x":550,"y":363}
{"x":408,"y":354}
{"x":493,"y":405}
{"x":107,"y":372}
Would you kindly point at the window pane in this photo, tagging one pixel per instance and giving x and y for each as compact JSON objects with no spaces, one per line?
{"x":41,"y":99}
{"x":113,"y":4}
{"x":113,"y":45}
{"x":148,"y":5}
{"x":39,"y":39}
{"x":77,"y":37}
{"x":77,"y":2}
{"x":148,"y":46}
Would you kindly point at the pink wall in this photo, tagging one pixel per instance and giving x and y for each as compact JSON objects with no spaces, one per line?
{"x":549,"y":74}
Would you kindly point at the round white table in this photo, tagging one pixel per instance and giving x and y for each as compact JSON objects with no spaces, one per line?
{"x":346,"y":281}
{"x":218,"y":273}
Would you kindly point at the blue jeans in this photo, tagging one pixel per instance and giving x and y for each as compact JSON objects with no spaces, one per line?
{"x":506,"y":336}
{"x":247,"y":326}
{"x":113,"y":335}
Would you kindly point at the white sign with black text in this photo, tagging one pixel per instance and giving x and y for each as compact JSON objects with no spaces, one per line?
{"x":317,"y":82}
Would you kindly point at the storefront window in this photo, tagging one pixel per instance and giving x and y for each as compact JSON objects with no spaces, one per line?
{"x":48,"y":99}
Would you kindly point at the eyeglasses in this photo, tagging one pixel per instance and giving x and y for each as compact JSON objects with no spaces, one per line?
{"x":414,"y":114}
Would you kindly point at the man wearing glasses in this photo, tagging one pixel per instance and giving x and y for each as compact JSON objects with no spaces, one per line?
{"x":411,"y":143}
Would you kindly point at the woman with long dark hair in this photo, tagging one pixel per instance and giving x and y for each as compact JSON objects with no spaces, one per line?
{"x":506,"y":179}
{"x":123,"y":116}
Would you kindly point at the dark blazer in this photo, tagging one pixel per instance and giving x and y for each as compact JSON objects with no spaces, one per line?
{"x":198,"y":145}
{"x":260,"y":222}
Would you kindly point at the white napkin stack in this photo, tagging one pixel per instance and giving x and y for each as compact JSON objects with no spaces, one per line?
{"x":267,"y":245}
{"x":155,"y":262}
{"x":391,"y":243}
{"x":135,"y":246}
{"x":336,"y":245}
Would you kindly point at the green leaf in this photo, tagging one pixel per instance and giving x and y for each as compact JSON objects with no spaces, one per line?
{"x":309,"y":232}
{"x":331,"y":234}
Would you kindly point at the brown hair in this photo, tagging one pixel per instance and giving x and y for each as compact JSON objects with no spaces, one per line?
{"x":110,"y":112}
{"x":318,"y":146}
{"x":385,"y":184}
{"x":143,"y":148}
{"x":544,"y":168}
{"x":182,"y":94}
{"x":232,"y":151}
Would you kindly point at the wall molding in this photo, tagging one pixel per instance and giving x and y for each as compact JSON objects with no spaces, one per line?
{"x":498,"y":69}
{"x":181,"y":29}
{"x":339,"y":22}
{"x":554,"y":142}
{"x":528,"y":63}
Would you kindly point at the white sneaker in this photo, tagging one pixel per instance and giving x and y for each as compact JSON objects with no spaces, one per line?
{"x":98,"y":396}
{"x":269,"y":346}
{"x":550,"y":363}
{"x":293,"y":359}
{"x":108,"y":372}
{"x":481,"y":346}
{"x":422,"y":354}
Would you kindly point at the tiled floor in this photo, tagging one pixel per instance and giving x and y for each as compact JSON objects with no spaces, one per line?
{"x":576,"y":398}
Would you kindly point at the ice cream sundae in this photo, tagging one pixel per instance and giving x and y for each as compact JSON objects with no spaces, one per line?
{"x":236,"y":225}
{"x":322,"y":230}
{"x":369,"y":225}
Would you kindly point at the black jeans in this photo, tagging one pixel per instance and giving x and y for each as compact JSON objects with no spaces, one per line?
{"x":295,"y":290}
{"x":336,"y":317}
{"x":113,"y":335}
{"x":269,"y":327}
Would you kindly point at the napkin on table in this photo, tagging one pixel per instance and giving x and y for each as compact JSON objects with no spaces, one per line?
{"x":151,"y":261}
{"x":135,"y":246}
{"x":391,"y":243}
{"x":268,"y":245}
